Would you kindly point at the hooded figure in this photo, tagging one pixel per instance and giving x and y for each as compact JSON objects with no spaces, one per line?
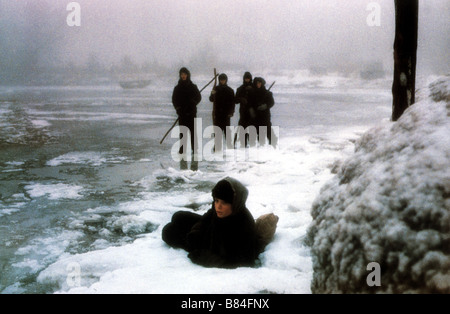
{"x":185,"y":98}
{"x":242,"y":95}
{"x":218,"y":238}
{"x":223,"y":101}
{"x":261,"y":100}
{"x":246,"y":113}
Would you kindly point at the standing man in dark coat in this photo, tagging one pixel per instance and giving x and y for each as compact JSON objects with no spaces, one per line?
{"x":223,"y":237}
{"x":261,"y":100}
{"x":185,"y":99}
{"x":222,"y":97}
{"x":246,"y":113}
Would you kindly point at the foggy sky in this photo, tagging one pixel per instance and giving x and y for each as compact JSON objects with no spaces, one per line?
{"x":267,"y":34}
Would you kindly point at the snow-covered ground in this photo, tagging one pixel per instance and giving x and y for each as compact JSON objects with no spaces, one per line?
{"x":284,"y":181}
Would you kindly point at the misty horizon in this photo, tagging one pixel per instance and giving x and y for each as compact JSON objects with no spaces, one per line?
{"x":293,"y":34}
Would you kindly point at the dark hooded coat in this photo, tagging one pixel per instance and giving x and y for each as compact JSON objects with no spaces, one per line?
{"x":242,"y":96}
{"x":211,"y":241}
{"x":186,"y":97}
{"x":258,"y":97}
{"x":224,"y":104}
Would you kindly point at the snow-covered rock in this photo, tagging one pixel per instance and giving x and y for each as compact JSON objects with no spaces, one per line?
{"x":389,"y":203}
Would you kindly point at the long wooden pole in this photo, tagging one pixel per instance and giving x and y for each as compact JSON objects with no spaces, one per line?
{"x":176,"y":121}
{"x":214,"y":103}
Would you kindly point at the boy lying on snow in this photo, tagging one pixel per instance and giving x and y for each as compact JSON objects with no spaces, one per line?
{"x":226,"y":236}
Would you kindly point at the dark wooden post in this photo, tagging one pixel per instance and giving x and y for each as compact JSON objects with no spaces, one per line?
{"x":405,"y":55}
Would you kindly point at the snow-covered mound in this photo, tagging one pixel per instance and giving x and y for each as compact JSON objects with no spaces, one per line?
{"x":390,"y":204}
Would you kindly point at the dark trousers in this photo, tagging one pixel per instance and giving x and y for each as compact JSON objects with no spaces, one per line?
{"x":264,"y":120}
{"x":175,"y":232}
{"x":223,"y":122}
{"x":190,"y":124}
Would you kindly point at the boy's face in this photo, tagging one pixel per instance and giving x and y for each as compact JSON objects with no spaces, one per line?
{"x":183,"y":76}
{"x":222,"y":82}
{"x":258,"y":84}
{"x":223,"y":209}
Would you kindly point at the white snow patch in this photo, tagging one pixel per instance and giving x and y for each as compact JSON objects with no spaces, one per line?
{"x":54,"y":191}
{"x":88,"y":158}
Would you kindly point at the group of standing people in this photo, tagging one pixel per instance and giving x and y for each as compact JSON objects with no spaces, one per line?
{"x":255,"y":104}
{"x":253,"y":97}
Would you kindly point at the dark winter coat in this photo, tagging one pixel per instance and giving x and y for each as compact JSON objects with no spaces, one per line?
{"x":185,"y":98}
{"x":258,"y":97}
{"x":242,"y":98}
{"x":225,"y":242}
{"x":224,"y":105}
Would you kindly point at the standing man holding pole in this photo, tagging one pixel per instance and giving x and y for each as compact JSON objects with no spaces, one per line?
{"x":222,"y":97}
{"x":185,"y":99}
